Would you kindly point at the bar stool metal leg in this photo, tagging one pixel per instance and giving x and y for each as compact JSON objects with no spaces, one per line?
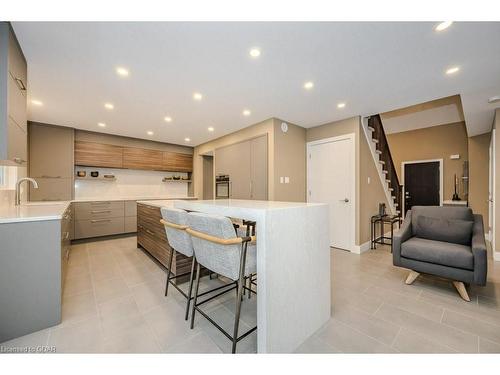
{"x":169,"y":272}
{"x":198,"y":271}
{"x":190,"y":289}
{"x":240,"y":295}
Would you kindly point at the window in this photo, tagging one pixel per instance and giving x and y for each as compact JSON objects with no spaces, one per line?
{"x":8,"y":177}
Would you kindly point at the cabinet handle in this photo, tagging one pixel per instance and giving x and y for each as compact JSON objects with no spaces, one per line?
{"x":66,"y":235}
{"x":19,"y":160}
{"x":149,"y":231}
{"x":45,"y":176}
{"x":100,"y":211}
{"x":100,"y":221}
{"x":20,"y":84}
{"x":99,"y":203}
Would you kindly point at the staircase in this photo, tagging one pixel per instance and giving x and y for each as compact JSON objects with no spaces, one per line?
{"x":381,"y":153}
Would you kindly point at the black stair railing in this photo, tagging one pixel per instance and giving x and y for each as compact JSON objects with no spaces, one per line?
{"x":378,"y":134}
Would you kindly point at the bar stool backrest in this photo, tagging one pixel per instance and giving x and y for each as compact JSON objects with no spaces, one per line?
{"x":178,"y":239}
{"x":221,"y":259}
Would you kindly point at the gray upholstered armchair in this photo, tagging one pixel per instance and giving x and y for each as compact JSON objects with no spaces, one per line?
{"x":443,"y":241}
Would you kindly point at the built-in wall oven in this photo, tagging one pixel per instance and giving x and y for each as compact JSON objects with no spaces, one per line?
{"x":222,"y":187}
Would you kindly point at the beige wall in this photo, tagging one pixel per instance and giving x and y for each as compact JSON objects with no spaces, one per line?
{"x":368,"y":195}
{"x":289,"y":161}
{"x":479,"y":158}
{"x":286,"y":157}
{"x":437,"y":142}
{"x":262,"y":128}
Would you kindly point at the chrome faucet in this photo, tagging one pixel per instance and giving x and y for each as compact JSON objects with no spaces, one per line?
{"x":18,"y":188}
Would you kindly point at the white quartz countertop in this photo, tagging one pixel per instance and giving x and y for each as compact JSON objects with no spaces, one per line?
{"x":39,"y":211}
{"x":244,"y":209}
{"x":33,"y":211}
{"x":127,"y":198}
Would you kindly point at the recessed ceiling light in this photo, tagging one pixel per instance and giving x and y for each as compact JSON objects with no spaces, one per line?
{"x":168,"y":119}
{"x":246,"y":112}
{"x":187,"y":139}
{"x":341,"y":105}
{"x":443,"y":25}
{"x":197,"y":96}
{"x":150,"y":132}
{"x":101,"y":124}
{"x":36,"y":102}
{"x":452,"y":70}
{"x":254,"y":52}
{"x":210,"y":129}
{"x":308,"y":85}
{"x":121,"y":71}
{"x":108,"y":106}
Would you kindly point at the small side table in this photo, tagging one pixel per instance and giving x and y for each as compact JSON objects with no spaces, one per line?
{"x":382,"y":239}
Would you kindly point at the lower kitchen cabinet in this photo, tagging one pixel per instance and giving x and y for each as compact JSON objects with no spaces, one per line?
{"x":152,"y":238}
{"x":33,"y":265}
{"x":104,"y":218}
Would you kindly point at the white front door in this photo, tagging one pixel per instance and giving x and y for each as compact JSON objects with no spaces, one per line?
{"x":330,"y":179}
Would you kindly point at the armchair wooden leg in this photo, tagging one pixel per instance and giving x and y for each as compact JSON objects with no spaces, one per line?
{"x":412,"y":276}
{"x":461,"y":290}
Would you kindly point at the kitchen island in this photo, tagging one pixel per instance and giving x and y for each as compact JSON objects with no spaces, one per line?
{"x":293,"y":266}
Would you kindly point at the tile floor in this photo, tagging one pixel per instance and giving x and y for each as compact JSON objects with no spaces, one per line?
{"x":114,"y":303}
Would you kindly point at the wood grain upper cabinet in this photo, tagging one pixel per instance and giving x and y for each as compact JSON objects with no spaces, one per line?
{"x":98,"y":155}
{"x":177,"y":162}
{"x":140,"y":158}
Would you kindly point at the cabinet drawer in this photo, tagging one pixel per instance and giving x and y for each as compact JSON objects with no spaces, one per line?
{"x":52,"y":189}
{"x":130,"y":208}
{"x":130,"y":224}
{"x":98,"y":227}
{"x":99,"y":210}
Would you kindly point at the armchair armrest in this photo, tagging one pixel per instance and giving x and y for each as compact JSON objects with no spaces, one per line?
{"x":403,"y":234}
{"x":478,"y":245}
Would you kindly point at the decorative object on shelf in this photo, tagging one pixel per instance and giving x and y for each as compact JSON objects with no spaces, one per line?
{"x":455,"y":194}
{"x":94,"y":174}
{"x":109,"y":176}
{"x":81,"y":173}
{"x":176,"y":177}
{"x":185,"y":178}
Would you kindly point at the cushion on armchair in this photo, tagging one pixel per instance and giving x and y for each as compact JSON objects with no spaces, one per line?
{"x":437,"y":252}
{"x":446,"y":230}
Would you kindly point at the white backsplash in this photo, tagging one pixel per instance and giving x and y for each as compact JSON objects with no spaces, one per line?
{"x":129,"y":183}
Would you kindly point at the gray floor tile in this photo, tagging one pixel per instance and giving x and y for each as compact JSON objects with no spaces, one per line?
{"x":409,"y":342}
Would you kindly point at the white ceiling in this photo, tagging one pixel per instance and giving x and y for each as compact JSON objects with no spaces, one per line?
{"x":373,"y":67}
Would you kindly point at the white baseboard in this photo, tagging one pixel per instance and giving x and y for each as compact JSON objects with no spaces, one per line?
{"x":359,"y":249}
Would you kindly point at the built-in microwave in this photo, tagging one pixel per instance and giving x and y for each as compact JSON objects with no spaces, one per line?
{"x":222,"y":187}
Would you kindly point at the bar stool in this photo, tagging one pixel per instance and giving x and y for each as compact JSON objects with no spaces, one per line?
{"x":216,"y":248}
{"x":175,"y":222}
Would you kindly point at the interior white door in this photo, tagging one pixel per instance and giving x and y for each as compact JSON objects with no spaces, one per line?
{"x":330,"y":178}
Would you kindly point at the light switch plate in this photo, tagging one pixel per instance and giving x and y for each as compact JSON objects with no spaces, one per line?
{"x":282,"y":180}
{"x":287,"y":180}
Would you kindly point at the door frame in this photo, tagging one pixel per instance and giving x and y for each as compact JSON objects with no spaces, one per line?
{"x":352,"y":138}
{"x":492,"y":184}
{"x":441,"y":180}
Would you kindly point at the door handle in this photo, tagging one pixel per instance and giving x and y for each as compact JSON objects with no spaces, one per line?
{"x":20,"y":84}
{"x":345,"y":200}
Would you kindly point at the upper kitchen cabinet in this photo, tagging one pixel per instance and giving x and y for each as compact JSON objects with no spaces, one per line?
{"x":51,"y":151}
{"x":51,"y":161}
{"x":13,"y":93}
{"x":140,"y":158}
{"x":98,"y":155}
{"x":177,"y":162}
